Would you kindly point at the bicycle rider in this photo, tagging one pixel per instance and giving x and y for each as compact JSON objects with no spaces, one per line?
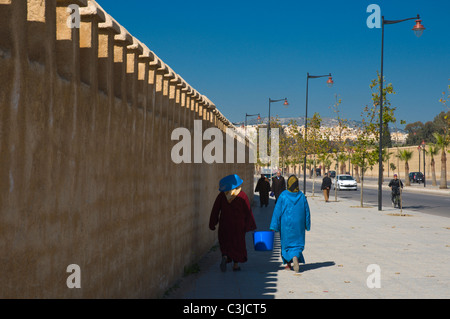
{"x":395,"y":185}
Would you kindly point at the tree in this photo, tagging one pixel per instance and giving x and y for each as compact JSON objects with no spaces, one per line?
{"x":315,"y":143}
{"x":296,"y":146}
{"x":286,"y":143}
{"x":364,"y":158}
{"x":406,"y":155}
{"x":445,"y":100}
{"x":392,"y":167}
{"x":442,"y":143}
{"x":418,"y":132}
{"x":414,"y":131}
{"x":342,"y":158}
{"x":354,"y":161}
{"x":388,"y":114}
{"x":365,"y":153}
{"x":388,"y":110}
{"x":385,"y":156}
{"x":387,"y":141}
{"x":309,"y":165}
{"x":324,"y":158}
{"x":340,"y":143}
{"x":440,"y":122}
{"x":433,"y":150}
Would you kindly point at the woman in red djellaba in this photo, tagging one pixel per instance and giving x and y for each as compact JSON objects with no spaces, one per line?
{"x":234,"y":215}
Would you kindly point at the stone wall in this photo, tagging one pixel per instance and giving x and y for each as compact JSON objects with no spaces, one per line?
{"x":413,"y":164}
{"x":86,"y":175}
{"x":400,"y":165}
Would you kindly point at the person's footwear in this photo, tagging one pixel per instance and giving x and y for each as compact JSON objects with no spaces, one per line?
{"x":296,"y":265}
{"x":288,"y":266}
{"x":223,"y":264}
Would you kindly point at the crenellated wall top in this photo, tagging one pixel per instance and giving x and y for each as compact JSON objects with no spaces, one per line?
{"x":110,"y":24}
{"x":90,"y":10}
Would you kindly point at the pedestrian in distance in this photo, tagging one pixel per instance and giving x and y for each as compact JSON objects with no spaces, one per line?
{"x":278,"y":185}
{"x":292,"y":219}
{"x":396,"y":186}
{"x":263,"y":187}
{"x":326,"y":186}
{"x":233,"y":213}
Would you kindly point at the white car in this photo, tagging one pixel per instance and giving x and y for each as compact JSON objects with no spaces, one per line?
{"x":345,"y":182}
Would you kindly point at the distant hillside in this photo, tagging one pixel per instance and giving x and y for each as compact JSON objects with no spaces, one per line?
{"x":326,"y":122}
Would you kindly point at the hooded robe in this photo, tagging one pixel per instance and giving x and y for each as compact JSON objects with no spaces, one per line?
{"x":278,"y":185}
{"x":235,"y":218}
{"x":263,"y":187}
{"x":291,"y":218}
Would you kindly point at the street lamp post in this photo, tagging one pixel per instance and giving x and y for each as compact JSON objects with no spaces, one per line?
{"x":418,"y":30}
{"x":424,"y":177}
{"x":245,"y":122}
{"x":268,"y":124}
{"x":249,"y":115}
{"x":330,"y":84}
{"x":419,"y":148}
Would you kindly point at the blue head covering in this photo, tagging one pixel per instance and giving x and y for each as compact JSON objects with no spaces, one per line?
{"x":230,"y":182}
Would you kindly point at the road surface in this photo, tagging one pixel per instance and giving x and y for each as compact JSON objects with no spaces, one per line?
{"x":411,"y":199}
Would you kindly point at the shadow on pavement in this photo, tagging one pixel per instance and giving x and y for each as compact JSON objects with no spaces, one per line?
{"x":313,"y":266}
{"x":257,"y":278}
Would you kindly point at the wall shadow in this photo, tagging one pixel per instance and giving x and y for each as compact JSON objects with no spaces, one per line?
{"x":257,"y":278}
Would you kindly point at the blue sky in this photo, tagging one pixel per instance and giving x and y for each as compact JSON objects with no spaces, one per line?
{"x":241,"y":53}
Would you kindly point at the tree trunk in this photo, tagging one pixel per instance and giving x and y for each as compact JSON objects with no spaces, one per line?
{"x":314,"y":177}
{"x":407,"y":183}
{"x":362,"y":186}
{"x":433,"y":172}
{"x":443,"y":183}
{"x":343,"y":168}
{"x":335,"y":185}
{"x":355,"y":168}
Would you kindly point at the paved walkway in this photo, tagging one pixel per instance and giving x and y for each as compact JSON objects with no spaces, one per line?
{"x":412,"y":252}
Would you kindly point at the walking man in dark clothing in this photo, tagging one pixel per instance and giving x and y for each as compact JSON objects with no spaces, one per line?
{"x":326,"y":185}
{"x":278,"y":185}
{"x":395,"y":185}
{"x":263,"y":187}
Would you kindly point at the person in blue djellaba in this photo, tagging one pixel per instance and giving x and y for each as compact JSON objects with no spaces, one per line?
{"x":291,"y":218}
